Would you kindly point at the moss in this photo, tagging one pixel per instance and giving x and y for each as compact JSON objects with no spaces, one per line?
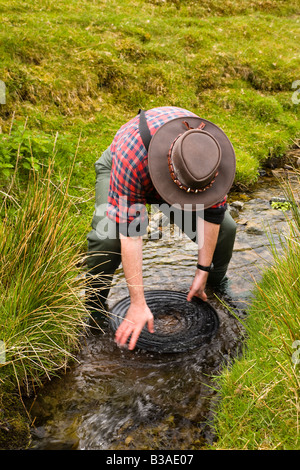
{"x":14,"y":422}
{"x":95,"y":65}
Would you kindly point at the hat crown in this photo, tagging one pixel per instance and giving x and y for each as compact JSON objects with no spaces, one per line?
{"x":161,"y":168}
{"x":195,"y":156}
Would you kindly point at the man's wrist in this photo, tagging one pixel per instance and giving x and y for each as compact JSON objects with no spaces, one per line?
{"x":207,"y":269}
{"x":138,"y":301}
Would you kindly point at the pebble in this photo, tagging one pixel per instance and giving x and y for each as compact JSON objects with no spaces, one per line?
{"x":237,"y":205}
{"x":254,"y":229}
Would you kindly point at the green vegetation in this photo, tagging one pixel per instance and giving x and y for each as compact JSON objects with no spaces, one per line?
{"x":40,"y":311}
{"x":42,"y":315}
{"x":75,"y":71}
{"x":82,"y":67}
{"x":282,"y":206}
{"x":259,"y":407}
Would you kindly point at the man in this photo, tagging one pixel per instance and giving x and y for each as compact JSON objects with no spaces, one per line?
{"x":165,"y":155}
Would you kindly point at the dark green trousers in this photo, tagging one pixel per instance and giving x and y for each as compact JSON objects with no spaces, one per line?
{"x":104,"y":248}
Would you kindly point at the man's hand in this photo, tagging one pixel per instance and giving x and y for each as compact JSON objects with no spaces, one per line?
{"x":198,"y":286}
{"x":207,"y":239}
{"x":136,"y":318}
{"x":138,"y":313}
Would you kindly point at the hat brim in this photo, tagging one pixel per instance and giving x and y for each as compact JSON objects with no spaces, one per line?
{"x":159,"y":170}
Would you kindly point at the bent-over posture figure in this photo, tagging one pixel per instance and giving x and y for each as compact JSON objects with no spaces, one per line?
{"x":171,"y":157}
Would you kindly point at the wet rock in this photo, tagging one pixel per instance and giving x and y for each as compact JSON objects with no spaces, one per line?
{"x":233,"y":212}
{"x":237,"y":205}
{"x":259,"y":204}
{"x":234,"y":208}
{"x":157,"y":222}
{"x":254,"y":229}
{"x":242,"y":221}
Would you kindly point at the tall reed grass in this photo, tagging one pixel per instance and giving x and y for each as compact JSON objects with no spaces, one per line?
{"x":260,"y":399}
{"x":42,"y":314}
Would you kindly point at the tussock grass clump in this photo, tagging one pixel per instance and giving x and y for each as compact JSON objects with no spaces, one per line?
{"x":259,"y":406}
{"x":42,"y":315}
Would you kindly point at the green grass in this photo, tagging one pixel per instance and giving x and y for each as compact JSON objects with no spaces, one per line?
{"x":86,"y":67}
{"x":41,"y":310}
{"x":259,"y":394}
{"x":42,"y":315}
{"x":77,"y":70}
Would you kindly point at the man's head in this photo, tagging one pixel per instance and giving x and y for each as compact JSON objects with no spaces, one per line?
{"x":191,"y":162}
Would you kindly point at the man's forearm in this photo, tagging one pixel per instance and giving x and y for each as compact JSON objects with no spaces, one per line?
{"x":138,"y":313}
{"x":208,"y":236}
{"x":132,"y":262}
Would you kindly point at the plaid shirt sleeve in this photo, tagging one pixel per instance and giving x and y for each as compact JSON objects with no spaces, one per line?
{"x":129,"y":179}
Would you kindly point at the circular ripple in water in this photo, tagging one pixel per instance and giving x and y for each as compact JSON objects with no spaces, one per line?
{"x":179,"y":325}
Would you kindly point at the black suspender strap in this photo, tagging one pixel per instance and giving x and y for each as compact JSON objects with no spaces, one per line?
{"x":144,"y":129}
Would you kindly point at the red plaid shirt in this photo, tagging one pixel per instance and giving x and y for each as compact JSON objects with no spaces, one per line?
{"x":130,"y":182}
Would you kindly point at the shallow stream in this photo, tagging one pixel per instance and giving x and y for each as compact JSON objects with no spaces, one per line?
{"x":116,"y":399}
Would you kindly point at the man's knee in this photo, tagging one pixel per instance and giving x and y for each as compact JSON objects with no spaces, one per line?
{"x":227,"y":234}
{"x":225,"y":243}
{"x":104,"y":254}
{"x":228,"y":225}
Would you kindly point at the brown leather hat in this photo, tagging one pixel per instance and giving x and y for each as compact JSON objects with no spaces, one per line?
{"x":191,"y":161}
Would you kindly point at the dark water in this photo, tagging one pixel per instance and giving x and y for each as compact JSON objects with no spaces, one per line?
{"x":116,"y":399}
